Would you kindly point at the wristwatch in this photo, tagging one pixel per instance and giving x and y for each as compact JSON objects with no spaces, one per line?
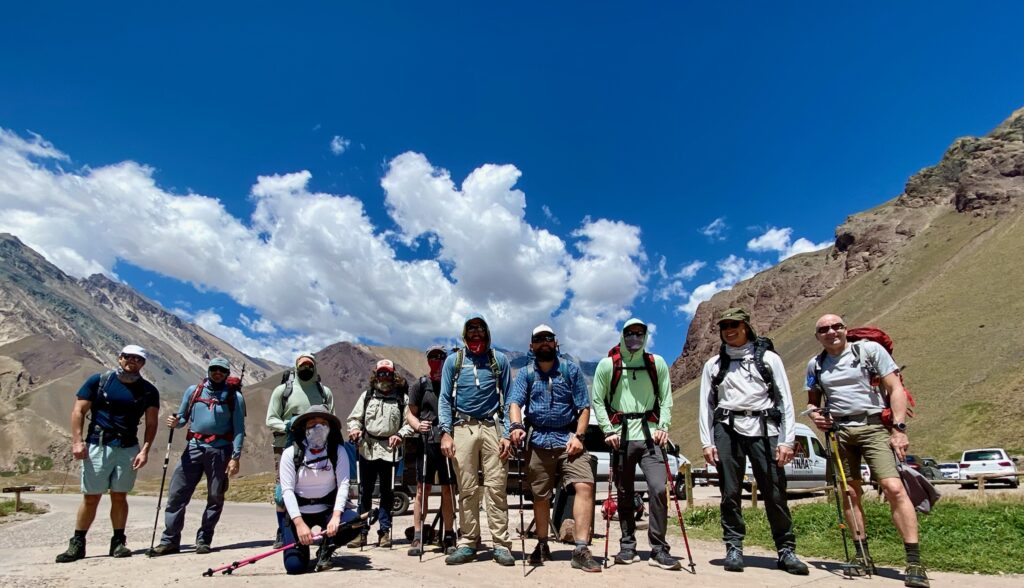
{"x":901,"y":427}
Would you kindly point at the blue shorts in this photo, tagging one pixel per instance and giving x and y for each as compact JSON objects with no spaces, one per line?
{"x":108,"y":468}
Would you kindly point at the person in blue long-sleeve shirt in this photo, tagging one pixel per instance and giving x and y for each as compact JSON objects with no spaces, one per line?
{"x":216,"y":421}
{"x":474,"y":435}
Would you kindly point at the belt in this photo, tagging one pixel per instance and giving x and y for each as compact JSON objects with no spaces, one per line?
{"x":326,"y":499}
{"x":868,"y":419}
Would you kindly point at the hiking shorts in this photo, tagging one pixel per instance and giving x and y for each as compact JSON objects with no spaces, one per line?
{"x":546,"y":465}
{"x":439,"y":471}
{"x":108,"y":468}
{"x":868,"y":443}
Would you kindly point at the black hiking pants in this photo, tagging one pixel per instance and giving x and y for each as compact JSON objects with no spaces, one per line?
{"x":733,"y":451}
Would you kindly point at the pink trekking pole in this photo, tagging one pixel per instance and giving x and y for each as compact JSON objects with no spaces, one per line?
{"x":251,"y":560}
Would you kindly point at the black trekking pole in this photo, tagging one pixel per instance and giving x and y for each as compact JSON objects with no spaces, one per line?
{"x":452,"y":491}
{"x":160,"y":496}
{"x":679,"y":511}
{"x":423,"y":498}
{"x":394,"y":470}
{"x":522,"y":519}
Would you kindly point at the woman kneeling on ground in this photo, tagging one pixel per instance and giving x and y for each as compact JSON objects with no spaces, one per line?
{"x":315,"y":490}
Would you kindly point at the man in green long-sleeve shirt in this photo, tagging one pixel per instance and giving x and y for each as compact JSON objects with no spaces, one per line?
{"x":633,"y":405}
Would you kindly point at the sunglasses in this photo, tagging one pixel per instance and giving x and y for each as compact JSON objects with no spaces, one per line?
{"x":219,"y":370}
{"x":435,"y":357}
{"x":826,"y":328}
{"x":475,"y":329}
{"x":386,"y":374}
{"x":635,"y":334}
{"x":133,"y":358}
{"x":729,"y":324}
{"x":543,"y":338}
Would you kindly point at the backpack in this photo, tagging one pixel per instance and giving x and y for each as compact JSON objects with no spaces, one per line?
{"x":197,"y":394}
{"x":870,"y":333}
{"x":617,"y":368}
{"x":460,"y":355}
{"x":761,"y":346}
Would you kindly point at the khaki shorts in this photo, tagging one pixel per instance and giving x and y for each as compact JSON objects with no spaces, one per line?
{"x":868,"y":443}
{"x":546,"y":465}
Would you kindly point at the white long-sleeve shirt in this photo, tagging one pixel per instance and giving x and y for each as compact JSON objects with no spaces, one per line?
{"x":313,"y":481}
{"x":744,"y":389}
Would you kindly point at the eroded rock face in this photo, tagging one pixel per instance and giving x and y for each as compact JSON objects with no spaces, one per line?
{"x":977,"y":175}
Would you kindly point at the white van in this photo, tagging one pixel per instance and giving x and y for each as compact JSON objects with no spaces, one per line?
{"x":807,"y":470}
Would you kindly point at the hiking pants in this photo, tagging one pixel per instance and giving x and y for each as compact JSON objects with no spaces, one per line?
{"x":371,"y":470}
{"x":652,"y":464}
{"x":296,"y":557}
{"x":476,"y":449}
{"x":197,"y":459}
{"x":733,"y":452}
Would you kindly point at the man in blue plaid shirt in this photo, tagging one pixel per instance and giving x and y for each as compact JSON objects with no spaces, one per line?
{"x":552,"y":394}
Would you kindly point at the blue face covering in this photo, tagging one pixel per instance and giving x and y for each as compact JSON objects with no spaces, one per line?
{"x":634,"y":343}
{"x":316,"y":437}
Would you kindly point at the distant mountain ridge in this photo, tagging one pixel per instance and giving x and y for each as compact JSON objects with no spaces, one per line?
{"x":937,"y":267}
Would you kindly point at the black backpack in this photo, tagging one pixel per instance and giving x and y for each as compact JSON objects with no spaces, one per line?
{"x":761,"y":346}
{"x":288,"y":377}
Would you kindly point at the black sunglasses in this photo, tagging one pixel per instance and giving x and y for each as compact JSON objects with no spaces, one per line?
{"x":826,"y":328}
{"x":385,"y":374}
{"x":543,"y":338}
{"x":219,"y":370}
{"x":729,"y":324}
{"x":135,"y":358}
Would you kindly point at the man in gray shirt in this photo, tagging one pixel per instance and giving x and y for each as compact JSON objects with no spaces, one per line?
{"x":857,"y":381}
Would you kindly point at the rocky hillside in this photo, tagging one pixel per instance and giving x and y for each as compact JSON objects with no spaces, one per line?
{"x":937,"y":268}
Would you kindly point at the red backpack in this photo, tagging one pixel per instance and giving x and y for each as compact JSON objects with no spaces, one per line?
{"x":617,"y":369}
{"x":871,"y":333}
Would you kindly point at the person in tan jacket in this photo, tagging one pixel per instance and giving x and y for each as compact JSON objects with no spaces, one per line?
{"x":377,"y":425}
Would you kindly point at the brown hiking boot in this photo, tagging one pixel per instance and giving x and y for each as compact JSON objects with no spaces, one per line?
{"x":384,"y":539}
{"x":915,"y":576}
{"x":358,"y":542}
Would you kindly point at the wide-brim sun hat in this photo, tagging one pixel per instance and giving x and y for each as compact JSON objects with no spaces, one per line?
{"x":315,"y":411}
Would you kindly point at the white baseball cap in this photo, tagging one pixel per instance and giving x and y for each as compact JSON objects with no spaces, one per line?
{"x":543,"y":329}
{"x":134,"y":350}
{"x":385,"y":364}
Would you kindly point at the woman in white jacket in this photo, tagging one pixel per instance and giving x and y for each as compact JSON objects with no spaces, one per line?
{"x":314,"y":484}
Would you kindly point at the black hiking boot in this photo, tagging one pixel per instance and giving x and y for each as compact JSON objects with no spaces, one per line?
{"x":278,"y":540}
{"x":661,"y":559}
{"x":323,"y":558}
{"x":541,"y":554}
{"x":164,"y":549}
{"x":626,"y":556}
{"x":915,"y":576}
{"x":449,"y":542}
{"x":583,"y":560}
{"x":860,"y":566}
{"x":75,"y":552}
{"x":415,"y":548}
{"x":789,"y":562}
{"x":733,"y":559}
{"x":202,"y":547}
{"x":118,"y":547}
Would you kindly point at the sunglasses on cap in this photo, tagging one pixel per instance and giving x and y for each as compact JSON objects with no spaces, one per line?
{"x":219,"y":370}
{"x":834,"y":327}
{"x":729,"y":324}
{"x":133,"y":358}
{"x":543,"y":337}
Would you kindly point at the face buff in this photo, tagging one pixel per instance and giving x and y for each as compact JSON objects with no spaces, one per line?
{"x":435,"y":368}
{"x":305,"y":373}
{"x":476,"y":347}
{"x":634,"y":342}
{"x":316,"y":437}
{"x":127,"y":377}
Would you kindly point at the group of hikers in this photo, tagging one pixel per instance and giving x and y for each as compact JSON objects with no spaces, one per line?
{"x":469,"y":416}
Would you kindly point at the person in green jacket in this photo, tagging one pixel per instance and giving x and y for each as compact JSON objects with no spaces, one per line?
{"x":633,"y":405}
{"x":299,"y":389}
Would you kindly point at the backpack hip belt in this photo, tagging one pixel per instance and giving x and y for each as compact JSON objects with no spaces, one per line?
{"x":328,"y":499}
{"x":100,"y":436}
{"x":772,"y":415}
{"x":623,"y":418}
{"x":209,"y":438}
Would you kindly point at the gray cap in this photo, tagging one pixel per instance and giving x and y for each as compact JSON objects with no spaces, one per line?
{"x":219,"y":362}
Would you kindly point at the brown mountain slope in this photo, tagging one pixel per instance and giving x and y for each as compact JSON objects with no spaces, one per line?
{"x":937,"y":268}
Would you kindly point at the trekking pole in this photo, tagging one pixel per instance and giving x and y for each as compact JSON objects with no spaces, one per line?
{"x":679,"y":511}
{"x":454,"y":488}
{"x":849,"y":501}
{"x":522,"y":519}
{"x":841,"y":522}
{"x":394,"y":470}
{"x":160,"y":496}
{"x":423,"y":498}
{"x":606,"y":509}
{"x":359,"y":484}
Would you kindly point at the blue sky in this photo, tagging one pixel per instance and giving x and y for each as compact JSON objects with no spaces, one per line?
{"x":603,"y":139}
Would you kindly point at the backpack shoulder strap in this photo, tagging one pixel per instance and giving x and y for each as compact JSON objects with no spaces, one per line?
{"x":614,"y":384}
{"x":366,"y":401}
{"x":531,"y":375}
{"x":723,"y":368}
{"x":761,"y":346}
{"x":819,"y":360}
{"x":652,"y":371}
{"x":197,"y":393}
{"x":496,"y":372}
{"x":288,"y":379}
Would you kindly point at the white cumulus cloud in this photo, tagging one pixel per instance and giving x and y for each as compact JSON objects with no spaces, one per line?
{"x":715,"y":230}
{"x":731,"y":270}
{"x":339,"y":144}
{"x":780,"y":240}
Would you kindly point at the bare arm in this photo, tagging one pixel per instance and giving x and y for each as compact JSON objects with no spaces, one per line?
{"x":77,"y":423}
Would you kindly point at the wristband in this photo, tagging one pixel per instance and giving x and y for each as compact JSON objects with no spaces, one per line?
{"x":517,"y":427}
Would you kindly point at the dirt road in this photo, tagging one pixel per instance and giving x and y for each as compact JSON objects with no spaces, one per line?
{"x":27,"y":550}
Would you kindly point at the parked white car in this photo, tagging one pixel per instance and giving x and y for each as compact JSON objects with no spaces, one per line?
{"x":807,"y":470}
{"x":950,"y":471}
{"x":975,"y":462}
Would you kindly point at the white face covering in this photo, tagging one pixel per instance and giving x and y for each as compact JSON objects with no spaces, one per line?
{"x":634,"y":343}
{"x":316,"y":437}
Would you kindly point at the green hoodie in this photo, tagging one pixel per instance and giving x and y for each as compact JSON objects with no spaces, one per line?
{"x":633,"y":395}
{"x":304,"y":395}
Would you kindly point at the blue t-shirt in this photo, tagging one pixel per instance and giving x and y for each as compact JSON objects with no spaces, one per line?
{"x":117,"y":411}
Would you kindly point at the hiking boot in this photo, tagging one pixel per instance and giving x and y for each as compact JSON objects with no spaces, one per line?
{"x":202,"y":548}
{"x":323,"y":559}
{"x":118,"y":548}
{"x":75,"y":552}
{"x":278,"y":540}
{"x":789,"y":562}
{"x":358,"y":542}
{"x":164,"y":549}
{"x":415,"y":548}
{"x":384,"y":539}
{"x":582,"y":560}
{"x":504,"y":557}
{"x":915,"y":576}
{"x":460,"y":556}
{"x":733,"y":559}
{"x":448,"y":543}
{"x":860,"y":566}
{"x":541,"y":554}
{"x":626,"y":556}
{"x":661,"y":559}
